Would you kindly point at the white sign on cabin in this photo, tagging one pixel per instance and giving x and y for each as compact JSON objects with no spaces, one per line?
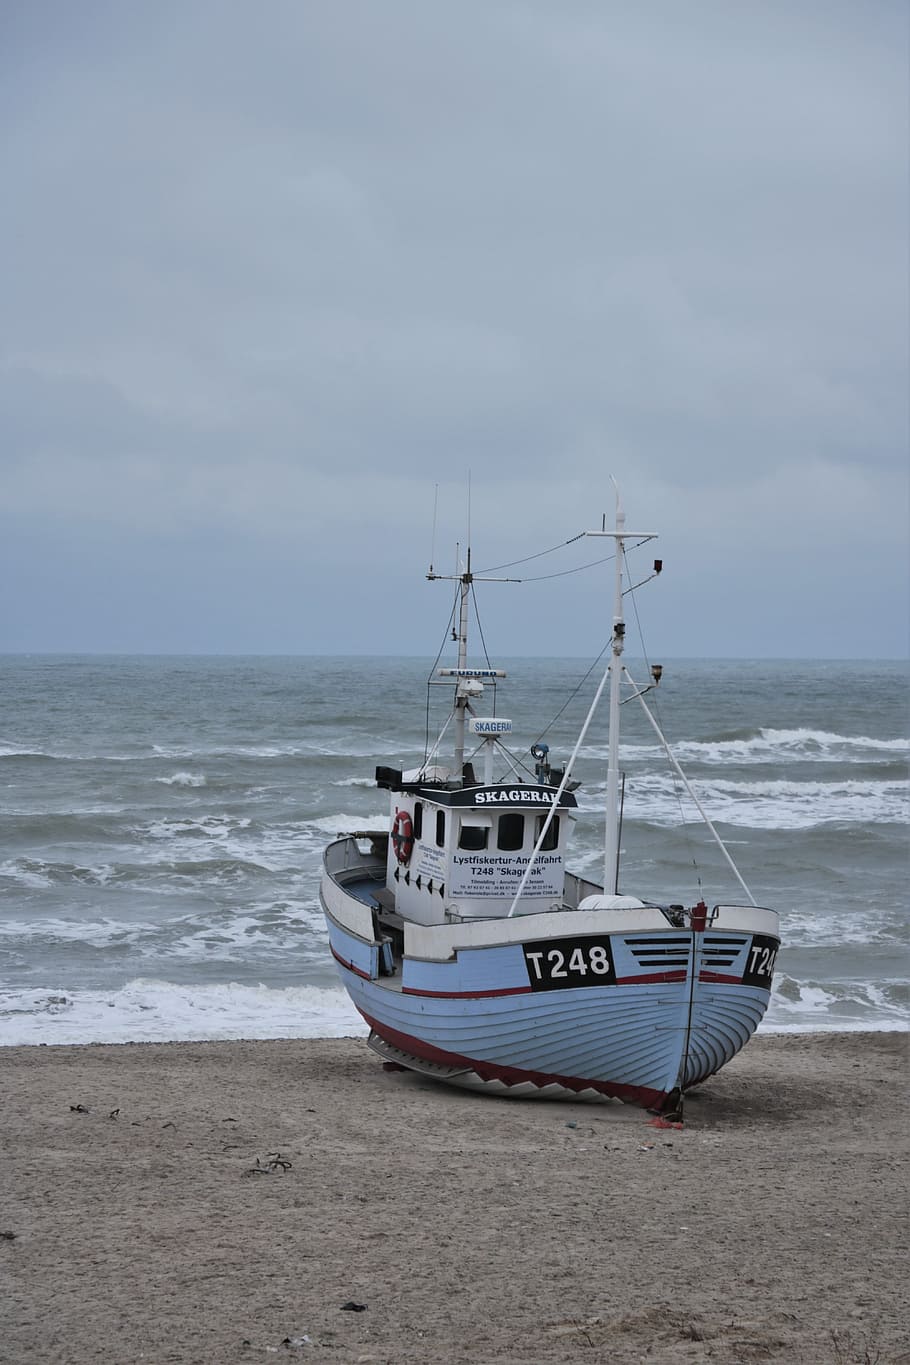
{"x":486,"y":875}
{"x":489,"y":725}
{"x":430,"y":862}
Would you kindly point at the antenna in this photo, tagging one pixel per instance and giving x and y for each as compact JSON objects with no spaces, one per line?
{"x":469,"y":510}
{"x":433,"y":537}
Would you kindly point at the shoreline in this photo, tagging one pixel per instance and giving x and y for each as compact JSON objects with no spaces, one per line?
{"x":222,"y":1201}
{"x":356,"y":1031}
{"x":784,"y":1031}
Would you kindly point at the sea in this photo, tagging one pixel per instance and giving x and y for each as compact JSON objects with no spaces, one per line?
{"x":163,"y":820}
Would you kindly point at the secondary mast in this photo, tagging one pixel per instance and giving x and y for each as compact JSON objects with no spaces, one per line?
{"x":461,"y":698}
{"x":469,"y":682}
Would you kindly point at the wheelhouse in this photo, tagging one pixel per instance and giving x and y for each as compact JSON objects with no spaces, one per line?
{"x":467,"y":852}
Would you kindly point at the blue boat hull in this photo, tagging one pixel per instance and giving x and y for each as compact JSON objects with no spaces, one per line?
{"x":643,"y":1037}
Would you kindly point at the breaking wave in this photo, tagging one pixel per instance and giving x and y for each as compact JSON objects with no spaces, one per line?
{"x":145,"y":1011}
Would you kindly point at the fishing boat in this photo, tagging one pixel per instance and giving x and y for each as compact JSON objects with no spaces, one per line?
{"x":477,"y":958}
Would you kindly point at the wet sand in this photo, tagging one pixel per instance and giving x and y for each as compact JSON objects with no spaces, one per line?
{"x":222,"y":1202}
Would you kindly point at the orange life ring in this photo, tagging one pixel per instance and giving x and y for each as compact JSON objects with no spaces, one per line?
{"x":403,"y":836}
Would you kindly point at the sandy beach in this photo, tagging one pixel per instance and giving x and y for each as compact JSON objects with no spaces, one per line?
{"x":221,"y":1202}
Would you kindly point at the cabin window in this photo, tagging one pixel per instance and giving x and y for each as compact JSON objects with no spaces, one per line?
{"x":552,"y":836}
{"x":418,"y":819}
{"x":511,"y":834}
{"x":440,"y":828}
{"x":473,"y":837}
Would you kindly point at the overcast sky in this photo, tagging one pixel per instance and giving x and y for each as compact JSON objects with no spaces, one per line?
{"x":275,"y":272}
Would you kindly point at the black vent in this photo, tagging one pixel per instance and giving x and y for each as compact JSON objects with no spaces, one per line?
{"x":389,"y":778}
{"x":721,"y":951}
{"x":663,"y":952}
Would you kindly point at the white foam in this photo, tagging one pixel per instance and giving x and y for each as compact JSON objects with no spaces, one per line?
{"x":335,"y":747}
{"x":163,"y":844}
{"x":145,"y":1011}
{"x":833,"y":929}
{"x":806,"y":805}
{"x":266,"y":930}
{"x":207,"y":826}
{"x":42,"y":876}
{"x":349,"y":748}
{"x":161,"y":1011}
{"x":349,"y":824}
{"x":220,"y":837}
{"x":65,"y":755}
{"x":183,"y":779}
{"x":26,"y":873}
{"x":242,"y":938}
{"x":659,"y":799}
{"x":228,"y":751}
{"x":768,"y":746}
{"x":100,"y":933}
{"x":807,"y":1006}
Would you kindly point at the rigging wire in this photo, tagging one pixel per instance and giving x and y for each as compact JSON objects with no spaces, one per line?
{"x":479,"y":625}
{"x":561,"y":573}
{"x":516,"y":761}
{"x":677,"y":785}
{"x":445,"y":641}
{"x":497,"y":567}
{"x":483,"y":641}
{"x":574,"y":693}
{"x":564,"y":573}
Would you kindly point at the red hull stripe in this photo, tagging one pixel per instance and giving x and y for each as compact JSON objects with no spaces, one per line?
{"x":721,"y":977}
{"x":512,"y":1075}
{"x":364,"y":976}
{"x":645,"y":979}
{"x":650,"y":978}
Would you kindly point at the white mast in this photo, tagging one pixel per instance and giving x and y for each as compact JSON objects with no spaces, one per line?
{"x":611,"y":833}
{"x":461,"y":700}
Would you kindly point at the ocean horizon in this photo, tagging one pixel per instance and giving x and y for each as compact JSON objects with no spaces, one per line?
{"x":163,"y":816}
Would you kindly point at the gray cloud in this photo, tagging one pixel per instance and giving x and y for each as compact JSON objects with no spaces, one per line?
{"x":273,"y":275}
